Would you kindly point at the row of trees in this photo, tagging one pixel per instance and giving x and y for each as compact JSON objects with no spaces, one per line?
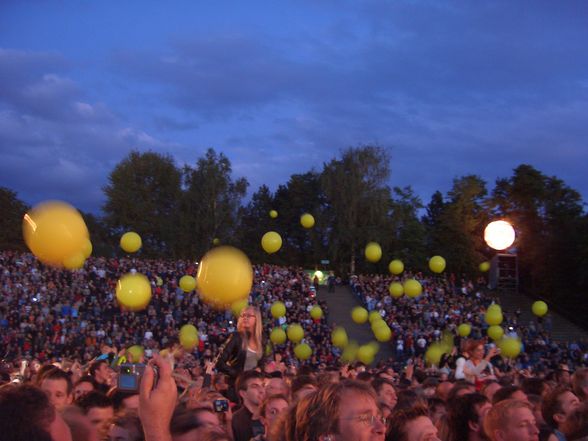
{"x":180,"y":211}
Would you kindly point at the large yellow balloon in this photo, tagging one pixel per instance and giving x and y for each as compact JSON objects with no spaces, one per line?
{"x":316,"y":312}
{"x":278,"y":309}
{"x":130,"y":242}
{"x":87,"y":249}
{"x":437,"y":264}
{"x":273,"y":214}
{"x":224,"y":276}
{"x":307,"y":220}
{"x":373,"y":252}
{"x":539,"y":308}
{"x":55,"y":231}
{"x":295,"y":332}
{"x":433,"y":354}
{"x":464,"y":330}
{"x":495,"y":332}
{"x":396,"y":267}
{"x":188,"y":283}
{"x":383,"y":334}
{"x":412,"y":288}
{"x":350,"y":352}
{"x":484,"y":267}
{"x":239,"y":306}
{"x":278,"y":336}
{"x":493,"y":317}
{"x":302,"y":351}
{"x":133,"y":291}
{"x":396,"y":290}
{"x":74,"y":262}
{"x":373,"y":316}
{"x":271,"y":242}
{"x":510,"y":347}
{"x":359,"y":315}
{"x":339,"y":337}
{"x":188,"y":337}
{"x":365,"y":354}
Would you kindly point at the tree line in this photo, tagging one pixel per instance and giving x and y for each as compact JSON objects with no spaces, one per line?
{"x":180,"y":211}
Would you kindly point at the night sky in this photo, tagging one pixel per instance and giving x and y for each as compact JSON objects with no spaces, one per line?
{"x":449,"y":88}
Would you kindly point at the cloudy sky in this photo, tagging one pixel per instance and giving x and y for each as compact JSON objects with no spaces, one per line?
{"x":449,"y":88}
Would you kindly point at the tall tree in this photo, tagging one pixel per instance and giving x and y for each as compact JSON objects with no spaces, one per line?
{"x":433,"y":223}
{"x":358,"y":195}
{"x":143,"y":195}
{"x":210,"y":203}
{"x":13,"y":210}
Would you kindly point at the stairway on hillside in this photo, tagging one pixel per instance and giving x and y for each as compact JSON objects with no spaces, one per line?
{"x":340,"y":304}
{"x":562,"y":330}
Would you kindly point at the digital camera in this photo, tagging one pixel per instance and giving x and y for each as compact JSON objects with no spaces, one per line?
{"x":129,"y":377}
{"x":220,"y":405}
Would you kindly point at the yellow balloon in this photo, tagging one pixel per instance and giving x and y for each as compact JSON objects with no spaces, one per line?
{"x":295,"y":332}
{"x":278,"y":309}
{"x":359,"y":315}
{"x":373,"y":316}
{"x":278,"y":336}
{"x":396,"y":266}
{"x":316,"y":312}
{"x":216,"y":241}
{"x":54,"y":231}
{"x":484,"y":267}
{"x":135,"y":353}
{"x":493,"y":317}
{"x":350,"y":352}
{"x":495,"y":307}
{"x":188,"y":340}
{"x":539,"y":308}
{"x":464,"y":329}
{"x":396,"y":290}
{"x":365,"y":354}
{"x":239,"y":306}
{"x":87,"y":249}
{"x":302,"y":351}
{"x":188,"y":283}
{"x":130,"y":242}
{"x":133,"y":291}
{"x":510,"y":347}
{"x":495,"y":332}
{"x":271,"y":242}
{"x":273,"y":214}
{"x":434,"y":354}
{"x":412,"y":288}
{"x":158,"y":281}
{"x":339,"y":337}
{"x":373,"y":252}
{"x":188,"y":330}
{"x":378,"y":323}
{"x":74,"y":262}
{"x":225,"y":275}
{"x":307,"y":220}
{"x":383,"y":334}
{"x":437,"y":264}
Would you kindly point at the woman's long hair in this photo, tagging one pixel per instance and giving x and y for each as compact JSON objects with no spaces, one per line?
{"x":256,"y":336}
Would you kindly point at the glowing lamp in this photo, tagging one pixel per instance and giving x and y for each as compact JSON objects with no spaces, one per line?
{"x":499,"y":235}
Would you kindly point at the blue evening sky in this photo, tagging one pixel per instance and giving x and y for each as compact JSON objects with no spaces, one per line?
{"x":448,"y":87}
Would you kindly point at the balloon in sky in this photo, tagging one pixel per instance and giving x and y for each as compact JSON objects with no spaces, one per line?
{"x":539,"y":308}
{"x":464,"y":329}
{"x":495,"y":332}
{"x":484,"y":267}
{"x":278,"y":336}
{"x":437,"y":264}
{"x":307,"y":220}
{"x":278,"y":309}
{"x":339,"y":337}
{"x":396,"y":267}
{"x":295,"y":332}
{"x":133,"y":291}
{"x":316,"y":312}
{"x":373,"y":252}
{"x":130,"y":242}
{"x":273,"y":214}
{"x":302,"y":351}
{"x":271,"y":242}
{"x":510,"y":347}
{"x":396,"y":289}
{"x":359,"y":315}
{"x":187,"y":283}
{"x":412,"y":288}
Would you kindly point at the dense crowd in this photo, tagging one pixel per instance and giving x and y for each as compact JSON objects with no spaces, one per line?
{"x":63,"y":338}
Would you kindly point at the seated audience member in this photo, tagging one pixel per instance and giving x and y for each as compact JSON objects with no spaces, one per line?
{"x":245,"y":423}
{"x":411,"y":424}
{"x":57,"y":385}
{"x":511,"y":420}
{"x":27,"y":415}
{"x":466,"y":417}
{"x":99,"y":409}
{"x":557,"y":406}
{"x":344,"y":411}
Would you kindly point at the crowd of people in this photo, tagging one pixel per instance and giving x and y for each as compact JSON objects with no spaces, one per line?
{"x":63,"y":339}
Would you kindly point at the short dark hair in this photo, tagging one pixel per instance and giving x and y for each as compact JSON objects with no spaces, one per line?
{"x":463,"y":411}
{"x":118,"y":396}
{"x":93,"y":399}
{"x":243,"y":380}
{"x":25,"y":413}
{"x":552,"y":405}
{"x":533,"y":385}
{"x":58,"y":374}
{"x":505,"y":393}
{"x":300,"y":381}
{"x":183,"y":419}
{"x":400,"y":419}
{"x":379,"y":382}
{"x":95,"y":366}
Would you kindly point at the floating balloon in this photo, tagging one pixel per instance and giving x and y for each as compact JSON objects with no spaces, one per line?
{"x":188,"y":330}
{"x":374,"y":315}
{"x":130,"y":242}
{"x":133,"y":291}
{"x":187,"y":283}
{"x":339,"y":337}
{"x":307,"y":220}
{"x":135,"y":354}
{"x":383,"y":334}
{"x":302,"y":351}
{"x":373,"y":252}
{"x":74,"y":262}
{"x":278,"y":336}
{"x":495,"y":307}
{"x":239,"y":306}
{"x":396,"y":290}
{"x":510,"y":347}
{"x":316,"y":312}
{"x":216,"y":241}
{"x":464,"y":329}
{"x":437,"y":264}
{"x":365,"y":354}
{"x":434,"y":354}
{"x":412,"y":288}
{"x":278,"y":309}
{"x":273,"y":214}
{"x":539,"y":308}
{"x":224,"y":276}
{"x":295,"y":332}
{"x":350,"y":352}
{"x":495,"y":332}
{"x":55,"y":231}
{"x":359,"y":315}
{"x":396,"y":267}
{"x":493,"y":317}
{"x":87,"y":248}
{"x":271,"y":242}
{"x":188,"y":337}
{"x":378,"y":323}
{"x":484,"y":267}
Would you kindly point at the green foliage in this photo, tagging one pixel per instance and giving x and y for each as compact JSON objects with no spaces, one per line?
{"x":13,"y":210}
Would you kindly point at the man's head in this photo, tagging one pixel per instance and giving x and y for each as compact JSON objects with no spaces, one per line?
{"x":303,"y":385}
{"x":99,"y":409}
{"x":563,"y":374}
{"x":412,"y":424}
{"x":82,"y":387}
{"x":557,"y":406}
{"x":580,"y":383}
{"x":466,"y":416}
{"x":490,"y":388}
{"x":509,"y":393}
{"x":271,"y":407}
{"x":57,"y":385}
{"x":190,"y":424}
{"x":100,"y":372}
{"x":511,"y":420}
{"x":250,"y":389}
{"x":443,"y":389}
{"x":345,"y":411}
{"x":386,"y":392}
{"x":276,"y":386}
